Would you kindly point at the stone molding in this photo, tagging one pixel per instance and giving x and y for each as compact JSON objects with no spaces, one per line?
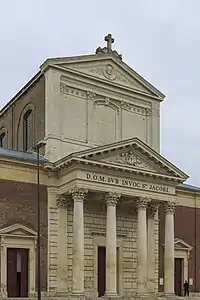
{"x":112,"y":198}
{"x":169,"y":207}
{"x":142,"y":202}
{"x":78,"y":194}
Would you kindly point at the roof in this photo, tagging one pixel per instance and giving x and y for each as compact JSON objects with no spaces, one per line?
{"x":21,"y":156}
{"x":20,"y":92}
{"x":189,"y":187}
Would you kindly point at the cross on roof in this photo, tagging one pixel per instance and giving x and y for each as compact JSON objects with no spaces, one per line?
{"x":109,"y":39}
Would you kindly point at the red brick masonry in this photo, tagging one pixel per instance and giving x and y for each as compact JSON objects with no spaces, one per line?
{"x":18,"y":205}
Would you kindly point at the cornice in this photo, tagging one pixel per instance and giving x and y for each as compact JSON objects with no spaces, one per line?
{"x":144,"y":148}
{"x":57,"y":168}
{"x":96,"y":58}
{"x":112,"y":85}
{"x":127,"y":96}
{"x":28,"y":85}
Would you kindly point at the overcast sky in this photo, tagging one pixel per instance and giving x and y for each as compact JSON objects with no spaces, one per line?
{"x":160,"y":39}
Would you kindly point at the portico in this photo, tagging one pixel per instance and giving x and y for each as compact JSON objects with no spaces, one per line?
{"x":123,"y":188}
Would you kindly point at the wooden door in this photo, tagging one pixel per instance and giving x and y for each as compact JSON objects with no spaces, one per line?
{"x":12,"y":273}
{"x":17,"y":272}
{"x":178,"y":284}
{"x":24,"y":273}
{"x":101,"y":271}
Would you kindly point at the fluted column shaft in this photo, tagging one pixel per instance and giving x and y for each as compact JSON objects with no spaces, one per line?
{"x":142,"y":245}
{"x":78,"y":196}
{"x":111,"y":244}
{"x":169,"y":248}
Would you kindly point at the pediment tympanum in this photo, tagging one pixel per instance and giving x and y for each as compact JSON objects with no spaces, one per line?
{"x":179,"y":244}
{"x":17,"y":230}
{"x":133,"y":154}
{"x":108,"y":69}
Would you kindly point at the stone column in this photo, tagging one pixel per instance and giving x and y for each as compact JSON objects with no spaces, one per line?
{"x":111,"y":244}
{"x":169,"y":208}
{"x":151,"y":248}
{"x":62,"y":204}
{"x":78,"y":196}
{"x":142,"y":245}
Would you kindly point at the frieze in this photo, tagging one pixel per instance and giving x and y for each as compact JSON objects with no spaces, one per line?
{"x":133,"y":108}
{"x":129,"y":183}
{"x":90,"y":95}
{"x":148,"y":111}
{"x":66,"y":89}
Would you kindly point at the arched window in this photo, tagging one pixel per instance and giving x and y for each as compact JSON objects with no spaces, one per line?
{"x":2,"y":140}
{"x":28,"y":130}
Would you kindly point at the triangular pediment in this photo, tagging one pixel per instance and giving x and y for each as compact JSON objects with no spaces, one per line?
{"x":18,"y":230}
{"x":133,"y":154}
{"x":109,"y":69}
{"x":179,"y":244}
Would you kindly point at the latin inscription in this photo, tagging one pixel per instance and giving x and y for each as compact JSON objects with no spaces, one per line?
{"x":128,"y":183}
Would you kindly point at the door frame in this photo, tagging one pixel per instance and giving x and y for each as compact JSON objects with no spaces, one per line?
{"x":100,"y":241}
{"x":182,"y":250}
{"x":18,"y":236}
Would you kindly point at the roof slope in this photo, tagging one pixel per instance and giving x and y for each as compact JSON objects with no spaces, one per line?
{"x":21,"y":156}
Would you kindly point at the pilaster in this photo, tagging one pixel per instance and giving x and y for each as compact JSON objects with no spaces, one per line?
{"x":62,"y":205}
{"x":169,"y":208}
{"x":152,"y":248}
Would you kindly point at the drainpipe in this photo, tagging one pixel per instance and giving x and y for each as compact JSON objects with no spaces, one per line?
{"x":195,"y":244}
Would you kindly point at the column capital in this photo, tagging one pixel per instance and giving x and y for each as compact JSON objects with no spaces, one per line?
{"x":78,"y":194}
{"x":142,"y":202}
{"x":61,"y":201}
{"x":169,"y":207}
{"x":112,"y":198}
{"x":152,"y":209}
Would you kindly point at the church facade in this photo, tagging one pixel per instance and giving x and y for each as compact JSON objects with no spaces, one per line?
{"x":120,"y":222}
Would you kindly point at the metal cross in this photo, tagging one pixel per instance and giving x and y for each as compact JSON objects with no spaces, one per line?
{"x":109,"y":39}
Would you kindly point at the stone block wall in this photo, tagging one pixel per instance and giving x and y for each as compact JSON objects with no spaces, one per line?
{"x":95,"y":234}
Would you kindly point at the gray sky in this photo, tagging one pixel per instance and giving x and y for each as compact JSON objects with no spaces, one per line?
{"x":160,"y":39}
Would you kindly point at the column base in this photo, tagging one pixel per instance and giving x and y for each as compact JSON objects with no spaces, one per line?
{"x":143,"y":295}
{"x":111,"y":295}
{"x":77,"y":296}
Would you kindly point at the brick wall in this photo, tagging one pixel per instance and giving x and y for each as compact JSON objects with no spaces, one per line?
{"x":184,"y":229}
{"x":11,"y":120}
{"x":18,"y":205}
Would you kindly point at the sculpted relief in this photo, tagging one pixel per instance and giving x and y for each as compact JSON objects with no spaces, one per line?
{"x":129,"y":158}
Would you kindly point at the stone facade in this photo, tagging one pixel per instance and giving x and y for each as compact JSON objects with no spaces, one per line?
{"x":108,"y":188}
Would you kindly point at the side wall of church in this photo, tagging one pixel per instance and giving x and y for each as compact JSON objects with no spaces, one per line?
{"x":11,"y":122}
{"x":187,"y":228}
{"x":18,"y":205}
{"x":81,"y":115}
